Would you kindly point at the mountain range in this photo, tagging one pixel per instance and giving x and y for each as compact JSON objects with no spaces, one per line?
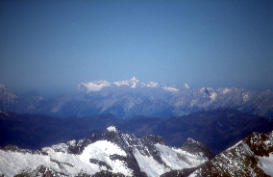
{"x":114,"y":153}
{"x":134,"y":128}
{"x":132,"y":98}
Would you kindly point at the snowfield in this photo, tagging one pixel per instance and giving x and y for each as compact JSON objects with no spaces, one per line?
{"x":12,"y":163}
{"x":102,"y":150}
{"x":177,"y":158}
{"x":266,"y":164}
{"x":173,"y":159}
{"x":111,"y":129}
{"x":149,"y":165}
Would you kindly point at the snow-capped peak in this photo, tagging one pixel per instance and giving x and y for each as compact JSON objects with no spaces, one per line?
{"x":190,"y":140}
{"x":226,"y":90}
{"x":130,"y":83}
{"x":187,"y":86}
{"x":94,"y":86}
{"x":170,"y":89}
{"x":151,"y":84}
{"x":134,"y":82}
{"x":111,"y":129}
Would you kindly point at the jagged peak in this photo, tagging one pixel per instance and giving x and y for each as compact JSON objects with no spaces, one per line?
{"x":248,"y":157}
{"x":191,"y":140}
{"x":112,"y":129}
{"x":195,"y":146}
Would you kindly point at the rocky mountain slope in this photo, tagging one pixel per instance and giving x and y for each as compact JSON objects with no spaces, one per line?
{"x":112,"y":153}
{"x":252,"y":156}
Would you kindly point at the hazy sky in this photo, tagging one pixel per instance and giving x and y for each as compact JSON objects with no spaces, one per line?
{"x":58,"y":44}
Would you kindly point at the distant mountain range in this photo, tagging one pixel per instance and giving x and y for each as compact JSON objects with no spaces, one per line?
{"x":132,"y":98}
{"x":114,"y":154}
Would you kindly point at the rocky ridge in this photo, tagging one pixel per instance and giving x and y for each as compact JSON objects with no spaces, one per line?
{"x":111,"y":153}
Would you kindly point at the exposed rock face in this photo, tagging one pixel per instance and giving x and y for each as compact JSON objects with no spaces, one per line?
{"x":252,"y":156}
{"x":194,"y":146}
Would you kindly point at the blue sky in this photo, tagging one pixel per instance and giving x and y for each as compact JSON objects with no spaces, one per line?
{"x":58,"y":44}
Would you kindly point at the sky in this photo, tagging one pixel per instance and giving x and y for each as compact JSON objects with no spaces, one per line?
{"x":50,"y":45}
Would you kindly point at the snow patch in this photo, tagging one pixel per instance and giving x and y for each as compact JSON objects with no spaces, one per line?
{"x":202,"y":90}
{"x":102,"y":150}
{"x":12,"y":163}
{"x":245,"y":97}
{"x":149,"y":165}
{"x":152,"y":84}
{"x":134,"y":82}
{"x":94,"y":86}
{"x":170,"y":89}
{"x":102,"y":147}
{"x":213,"y":96}
{"x":177,"y":158}
{"x":111,"y":129}
{"x":226,"y":90}
{"x":172,"y":158}
{"x":121,"y":83}
{"x":187,"y":86}
{"x":58,"y":159}
{"x":130,"y":83}
{"x":266,"y":164}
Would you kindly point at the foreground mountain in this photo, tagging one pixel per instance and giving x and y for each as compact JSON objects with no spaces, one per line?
{"x":112,"y":153}
{"x":252,"y":156}
{"x":130,"y":98}
{"x":217,"y":129}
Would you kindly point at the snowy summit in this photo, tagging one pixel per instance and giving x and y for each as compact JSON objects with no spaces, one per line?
{"x":111,"y":129}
